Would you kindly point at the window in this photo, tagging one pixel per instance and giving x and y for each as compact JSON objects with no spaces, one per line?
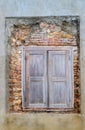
{"x":47,"y":76}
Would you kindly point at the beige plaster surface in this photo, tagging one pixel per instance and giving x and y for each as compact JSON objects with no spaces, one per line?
{"x":44,"y":121}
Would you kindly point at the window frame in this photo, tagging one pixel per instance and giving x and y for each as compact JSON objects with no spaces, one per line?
{"x":46,"y":48}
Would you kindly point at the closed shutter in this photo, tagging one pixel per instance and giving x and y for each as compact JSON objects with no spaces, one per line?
{"x":35,"y":88}
{"x":60,"y":79}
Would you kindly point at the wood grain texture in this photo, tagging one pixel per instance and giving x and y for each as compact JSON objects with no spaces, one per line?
{"x":60,"y":82}
{"x":48,"y":78}
{"x":36,"y":78}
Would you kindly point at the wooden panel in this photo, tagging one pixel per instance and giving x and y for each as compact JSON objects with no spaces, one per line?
{"x":36,"y":79}
{"x":23,"y":79}
{"x":36,"y":65}
{"x":59,"y":89}
{"x":47,"y":48}
{"x":60,"y":79}
{"x":36,"y":92}
{"x":59,"y":63}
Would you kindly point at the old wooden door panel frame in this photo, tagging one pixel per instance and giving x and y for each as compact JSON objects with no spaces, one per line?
{"x":45,"y":48}
{"x":67,"y":79}
{"x":26,"y":81}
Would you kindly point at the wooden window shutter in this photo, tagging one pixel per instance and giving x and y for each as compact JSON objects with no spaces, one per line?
{"x":60,"y":79}
{"x":35,"y":89}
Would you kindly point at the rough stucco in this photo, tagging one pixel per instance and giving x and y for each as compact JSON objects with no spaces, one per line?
{"x":41,"y":122}
{"x":28,"y":8}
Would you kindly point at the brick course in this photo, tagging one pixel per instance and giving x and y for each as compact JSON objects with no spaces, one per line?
{"x":44,"y":34}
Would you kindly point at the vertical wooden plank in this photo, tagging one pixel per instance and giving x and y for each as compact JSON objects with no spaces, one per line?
{"x":71,"y":79}
{"x":36,"y":79}
{"x":23,"y":78}
{"x":60,"y":79}
{"x":27,"y":79}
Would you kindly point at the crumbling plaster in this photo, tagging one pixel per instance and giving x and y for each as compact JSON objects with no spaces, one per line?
{"x":47,"y":121}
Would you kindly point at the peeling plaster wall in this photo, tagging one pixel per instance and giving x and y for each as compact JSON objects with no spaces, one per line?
{"x":39,"y":121}
{"x":40,"y":31}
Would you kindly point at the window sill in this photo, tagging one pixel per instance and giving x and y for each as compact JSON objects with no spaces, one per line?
{"x":45,"y":110}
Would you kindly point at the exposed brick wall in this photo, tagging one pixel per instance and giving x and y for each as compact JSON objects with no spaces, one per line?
{"x":76,"y":82}
{"x":42,"y":34}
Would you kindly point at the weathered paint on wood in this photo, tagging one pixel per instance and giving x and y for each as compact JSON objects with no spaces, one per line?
{"x":49,"y":81}
{"x":36,"y":78}
{"x":60,"y":87}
